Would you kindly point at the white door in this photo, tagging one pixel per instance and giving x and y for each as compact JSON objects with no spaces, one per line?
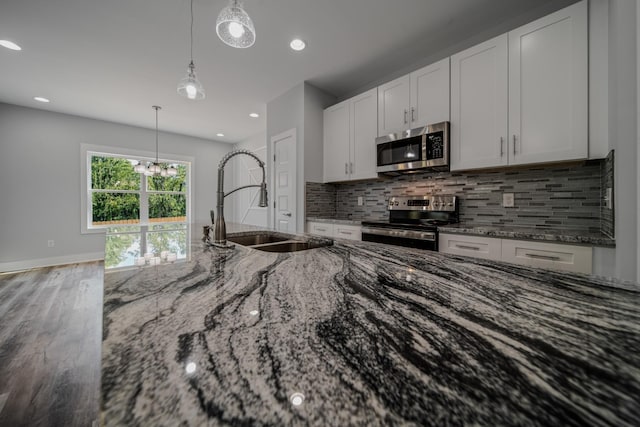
{"x":248,"y":172}
{"x":364,"y":119}
{"x":336,"y":143}
{"x":430,"y":94}
{"x":548,"y":88}
{"x":393,"y":106}
{"x":479,"y":106}
{"x":284,"y":184}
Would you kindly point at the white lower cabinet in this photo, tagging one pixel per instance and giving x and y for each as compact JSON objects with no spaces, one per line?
{"x":351,"y":232}
{"x":336,"y":231}
{"x":535,"y":254}
{"x":479,"y":247}
{"x":548,"y":255}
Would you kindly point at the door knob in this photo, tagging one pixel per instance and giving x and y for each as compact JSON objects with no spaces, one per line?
{"x":286,"y":213}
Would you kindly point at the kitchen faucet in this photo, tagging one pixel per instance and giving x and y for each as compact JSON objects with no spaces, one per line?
{"x":220,"y":228}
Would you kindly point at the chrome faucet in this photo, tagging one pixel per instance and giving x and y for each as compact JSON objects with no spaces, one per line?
{"x":220,"y":228}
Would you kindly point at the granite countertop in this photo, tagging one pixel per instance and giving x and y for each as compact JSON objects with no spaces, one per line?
{"x":531,"y":233}
{"x":369,"y":334}
{"x":336,"y":221}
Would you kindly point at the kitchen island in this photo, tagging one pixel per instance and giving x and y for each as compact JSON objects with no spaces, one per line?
{"x":361,"y":333}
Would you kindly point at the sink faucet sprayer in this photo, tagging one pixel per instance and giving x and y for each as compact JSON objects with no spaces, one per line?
{"x":220,"y":228}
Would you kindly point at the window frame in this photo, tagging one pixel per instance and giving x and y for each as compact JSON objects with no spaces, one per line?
{"x":88,"y":151}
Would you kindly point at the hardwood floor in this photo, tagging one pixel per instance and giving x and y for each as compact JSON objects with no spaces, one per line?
{"x":50,"y":342}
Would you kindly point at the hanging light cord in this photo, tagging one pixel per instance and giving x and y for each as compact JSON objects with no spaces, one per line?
{"x":192,"y":31}
{"x":156,"y":108}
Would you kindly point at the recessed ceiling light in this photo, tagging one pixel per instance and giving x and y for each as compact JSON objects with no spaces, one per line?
{"x":10,"y":45}
{"x":41,"y":99}
{"x":219,"y":134}
{"x":254,"y":115}
{"x":297,"y":44}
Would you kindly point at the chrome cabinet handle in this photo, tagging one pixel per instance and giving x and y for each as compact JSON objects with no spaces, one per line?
{"x":501,"y":146}
{"x":473,"y":248}
{"x":346,"y":169}
{"x":413,"y":116}
{"x":514,"y":144}
{"x":348,"y":233}
{"x":405,"y":116}
{"x":321,"y":229}
{"x":350,"y":167}
{"x":547,"y":257}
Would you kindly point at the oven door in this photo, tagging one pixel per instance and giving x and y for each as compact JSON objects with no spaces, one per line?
{"x":409,"y":238}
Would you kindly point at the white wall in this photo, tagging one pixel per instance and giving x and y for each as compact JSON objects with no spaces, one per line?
{"x":623,"y":133}
{"x":40,"y":180}
{"x":247,"y":172}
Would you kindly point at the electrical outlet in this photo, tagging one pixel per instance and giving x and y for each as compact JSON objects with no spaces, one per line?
{"x":360,"y":201}
{"x":51,"y":243}
{"x":507,"y":200}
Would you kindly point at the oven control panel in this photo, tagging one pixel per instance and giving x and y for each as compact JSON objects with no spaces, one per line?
{"x":443,"y":203}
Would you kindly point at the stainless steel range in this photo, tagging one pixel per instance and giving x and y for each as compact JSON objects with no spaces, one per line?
{"x":413,"y":221}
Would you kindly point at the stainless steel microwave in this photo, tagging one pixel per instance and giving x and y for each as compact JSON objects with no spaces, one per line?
{"x":411,"y":150}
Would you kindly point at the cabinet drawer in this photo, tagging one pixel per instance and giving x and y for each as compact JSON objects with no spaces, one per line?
{"x":351,"y":232}
{"x":479,"y":247}
{"x":548,"y":255}
{"x":320,"y":228}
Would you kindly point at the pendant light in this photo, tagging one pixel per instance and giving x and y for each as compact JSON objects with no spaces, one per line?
{"x":154,"y":168}
{"x":234,"y":26}
{"x":189,"y":86}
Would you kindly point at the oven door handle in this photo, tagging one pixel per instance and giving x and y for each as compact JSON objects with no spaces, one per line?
{"x":406,"y":234}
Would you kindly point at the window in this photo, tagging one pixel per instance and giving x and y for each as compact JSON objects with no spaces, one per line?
{"x":118,"y":195}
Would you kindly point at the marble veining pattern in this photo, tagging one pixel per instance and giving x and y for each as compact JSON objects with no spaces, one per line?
{"x":371,"y":335}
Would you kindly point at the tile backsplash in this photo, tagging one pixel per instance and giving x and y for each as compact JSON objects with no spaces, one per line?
{"x":562,"y":197}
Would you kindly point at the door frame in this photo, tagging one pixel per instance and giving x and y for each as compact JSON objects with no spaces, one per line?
{"x":291,"y":133}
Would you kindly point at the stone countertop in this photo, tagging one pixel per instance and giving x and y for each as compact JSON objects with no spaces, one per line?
{"x":336,"y":221}
{"x":531,"y":233}
{"x":370,"y":334}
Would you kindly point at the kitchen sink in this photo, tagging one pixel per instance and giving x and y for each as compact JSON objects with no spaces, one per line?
{"x":279,"y":242}
{"x":257,"y":239}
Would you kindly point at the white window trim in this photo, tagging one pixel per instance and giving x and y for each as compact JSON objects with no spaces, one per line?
{"x":85,"y":183}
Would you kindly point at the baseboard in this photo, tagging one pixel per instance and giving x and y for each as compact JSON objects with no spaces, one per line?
{"x":48,"y":262}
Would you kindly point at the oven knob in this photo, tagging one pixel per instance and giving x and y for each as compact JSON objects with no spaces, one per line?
{"x":450,"y":204}
{"x":397,"y":203}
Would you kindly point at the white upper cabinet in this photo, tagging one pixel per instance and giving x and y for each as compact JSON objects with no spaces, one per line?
{"x":350,"y":130}
{"x":430,"y":94}
{"x":548,"y":87}
{"x":414,"y":100}
{"x":364,"y":124}
{"x":336,"y":142}
{"x":479,"y":105}
{"x":522,"y":97}
{"x":393,"y":106}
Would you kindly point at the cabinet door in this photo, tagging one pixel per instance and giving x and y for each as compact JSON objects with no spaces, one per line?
{"x":548,"y":255}
{"x":320,"y":229}
{"x":430,"y":94}
{"x":393,"y":106}
{"x":479,"y":106}
{"x":474,"y":246}
{"x":349,"y":232}
{"x":336,"y":142}
{"x":364,"y":125}
{"x":548,"y":88}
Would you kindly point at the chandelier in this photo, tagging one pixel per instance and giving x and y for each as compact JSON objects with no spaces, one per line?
{"x":154,"y":168}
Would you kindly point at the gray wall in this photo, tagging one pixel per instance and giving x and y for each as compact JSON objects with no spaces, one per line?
{"x":40,"y":172}
{"x":623,"y":133}
{"x":301,"y":108}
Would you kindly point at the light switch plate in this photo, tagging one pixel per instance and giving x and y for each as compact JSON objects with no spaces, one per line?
{"x":360,"y":201}
{"x":507,"y":200}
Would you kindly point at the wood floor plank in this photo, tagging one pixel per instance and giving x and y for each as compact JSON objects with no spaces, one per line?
{"x":50,"y":343}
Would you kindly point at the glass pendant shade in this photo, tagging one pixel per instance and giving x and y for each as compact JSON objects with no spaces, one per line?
{"x":189,"y":86}
{"x":235,"y":27}
{"x":154,"y":169}
{"x":140,"y":168}
{"x":172,"y":171}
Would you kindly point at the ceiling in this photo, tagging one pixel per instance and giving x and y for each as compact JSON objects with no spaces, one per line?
{"x":114,"y":59}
